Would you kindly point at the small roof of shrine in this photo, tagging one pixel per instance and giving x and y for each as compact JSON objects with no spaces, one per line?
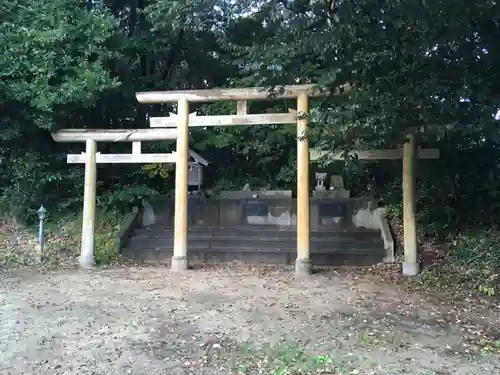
{"x":197,"y":158}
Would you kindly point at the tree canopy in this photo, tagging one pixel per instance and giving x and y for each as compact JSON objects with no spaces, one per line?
{"x":430,"y":65}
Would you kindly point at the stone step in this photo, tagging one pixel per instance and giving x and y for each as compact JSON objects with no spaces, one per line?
{"x":353,"y":257}
{"x":249,"y":243}
{"x":345,"y":228}
{"x":257,"y":244}
{"x":260,"y":233}
{"x":256,"y":237}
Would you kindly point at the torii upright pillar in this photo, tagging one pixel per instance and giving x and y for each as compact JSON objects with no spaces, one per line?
{"x":87,"y":259}
{"x":179,"y":258}
{"x":303,"y":261}
{"x":411,"y":267}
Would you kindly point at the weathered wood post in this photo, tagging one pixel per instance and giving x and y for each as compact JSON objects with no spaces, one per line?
{"x":303,"y":261}
{"x":87,"y":259}
{"x":410,"y":265}
{"x":179,"y":258}
{"x":91,"y":158}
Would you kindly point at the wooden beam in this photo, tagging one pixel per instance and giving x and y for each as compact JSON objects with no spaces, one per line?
{"x":123,"y":158}
{"x":179,"y":258}
{"x":213,"y":95}
{"x":136,"y":148}
{"x":242,"y":107}
{"x":191,"y":115}
{"x":226,"y":120}
{"x":410,"y":264}
{"x":114,"y":135}
{"x":389,"y":154}
{"x":87,"y":259}
{"x":303,"y":261}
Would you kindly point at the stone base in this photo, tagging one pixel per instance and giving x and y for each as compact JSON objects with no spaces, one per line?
{"x":331,"y":194}
{"x":411,"y":269}
{"x":303,"y":267}
{"x":179,"y":264}
{"x":86,"y":263}
{"x":389,"y":258}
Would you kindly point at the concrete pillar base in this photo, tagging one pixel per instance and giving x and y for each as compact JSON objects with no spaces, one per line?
{"x":86,"y":262}
{"x":411,"y":269}
{"x":179,"y":264}
{"x":303,"y":267}
{"x":389,"y":259}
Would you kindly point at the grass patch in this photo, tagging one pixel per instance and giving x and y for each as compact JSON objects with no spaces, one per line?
{"x":472,"y":264}
{"x":490,"y":347}
{"x":19,"y":244}
{"x":289,"y":358}
{"x":283,"y":359}
{"x":63,"y":236}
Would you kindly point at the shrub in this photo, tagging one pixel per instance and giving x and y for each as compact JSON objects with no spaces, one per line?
{"x":478,"y":254}
{"x":64,"y":236}
{"x":124,"y":198}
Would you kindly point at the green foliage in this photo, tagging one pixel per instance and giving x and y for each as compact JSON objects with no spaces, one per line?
{"x":435,"y":280}
{"x":156,"y":170}
{"x":472,"y":263}
{"x":411,"y":63}
{"x":123,"y":198}
{"x":491,"y":347}
{"x":64,"y":235}
{"x":408,"y":63}
{"x":55,"y":61}
{"x":55,"y":65}
{"x":284,"y":359}
{"x":479,"y":255}
{"x":34,"y":181}
{"x":19,"y":243}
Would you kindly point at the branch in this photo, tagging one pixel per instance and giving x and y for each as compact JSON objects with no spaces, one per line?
{"x":332,"y":12}
{"x":174,"y":53}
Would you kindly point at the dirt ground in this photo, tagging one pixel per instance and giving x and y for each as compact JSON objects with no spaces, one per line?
{"x":132,"y":320}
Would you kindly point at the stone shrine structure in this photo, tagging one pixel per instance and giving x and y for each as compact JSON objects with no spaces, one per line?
{"x":259,"y":226}
{"x":335,"y":189}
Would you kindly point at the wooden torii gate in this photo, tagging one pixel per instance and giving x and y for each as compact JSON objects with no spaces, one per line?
{"x":183,"y":120}
{"x":408,"y":153}
{"x":91,"y":158}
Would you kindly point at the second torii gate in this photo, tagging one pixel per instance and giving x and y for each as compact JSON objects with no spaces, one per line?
{"x":91,"y":158}
{"x":409,"y":153}
{"x":183,"y":120}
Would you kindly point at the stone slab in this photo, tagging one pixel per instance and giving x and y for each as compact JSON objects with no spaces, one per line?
{"x":268,"y":257}
{"x":249,"y":194}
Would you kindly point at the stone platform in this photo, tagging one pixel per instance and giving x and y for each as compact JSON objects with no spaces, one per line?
{"x":257,"y":244}
{"x":343,"y":232}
